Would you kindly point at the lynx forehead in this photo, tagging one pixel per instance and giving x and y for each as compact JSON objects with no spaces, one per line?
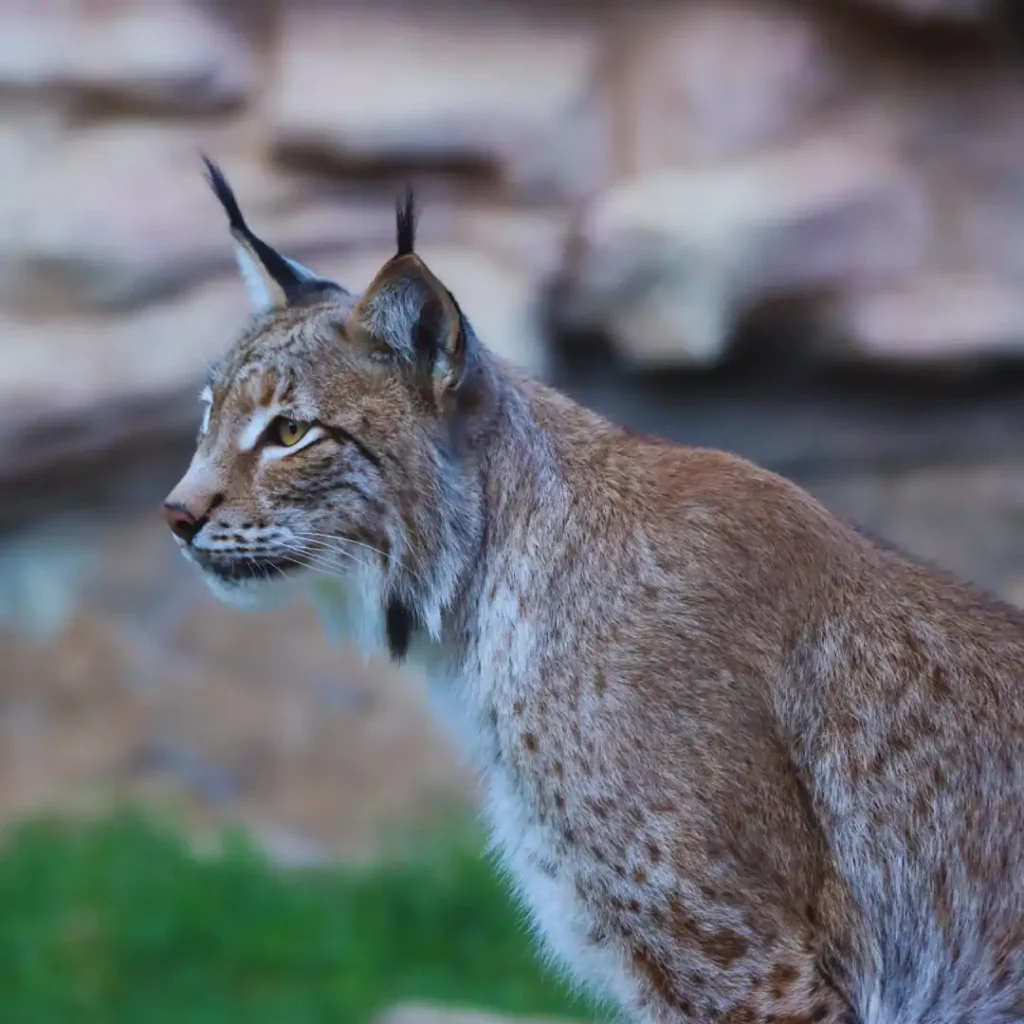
{"x":744,"y":766}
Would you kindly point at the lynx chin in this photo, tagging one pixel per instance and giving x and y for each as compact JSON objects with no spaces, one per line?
{"x":744,"y":765}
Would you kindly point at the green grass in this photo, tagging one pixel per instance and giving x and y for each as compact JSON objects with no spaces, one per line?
{"x":120,"y":923}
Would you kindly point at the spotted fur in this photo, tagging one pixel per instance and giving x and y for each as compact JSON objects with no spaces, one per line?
{"x":744,"y":765}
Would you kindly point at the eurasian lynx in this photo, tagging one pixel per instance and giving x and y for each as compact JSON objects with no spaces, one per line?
{"x":744,"y":765}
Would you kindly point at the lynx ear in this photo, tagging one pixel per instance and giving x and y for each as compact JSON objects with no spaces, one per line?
{"x":409,"y":312}
{"x":272,"y":280}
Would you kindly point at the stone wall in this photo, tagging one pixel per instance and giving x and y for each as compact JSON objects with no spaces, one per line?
{"x":668,"y":174}
{"x":861,"y":172}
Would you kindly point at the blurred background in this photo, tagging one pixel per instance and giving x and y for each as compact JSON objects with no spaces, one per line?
{"x":790,"y":229}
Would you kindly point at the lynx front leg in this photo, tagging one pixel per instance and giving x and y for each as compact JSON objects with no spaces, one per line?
{"x":728,"y":984}
{"x":723,"y":906}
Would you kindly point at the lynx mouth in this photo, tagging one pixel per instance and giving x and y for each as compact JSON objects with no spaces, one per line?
{"x":247,"y":568}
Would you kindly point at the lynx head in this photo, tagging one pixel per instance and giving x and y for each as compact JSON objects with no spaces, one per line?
{"x":338,"y":449}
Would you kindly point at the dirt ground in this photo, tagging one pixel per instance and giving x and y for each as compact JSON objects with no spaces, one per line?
{"x":147,"y":689}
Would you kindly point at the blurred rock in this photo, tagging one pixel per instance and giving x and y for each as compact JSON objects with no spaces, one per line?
{"x":27,"y":128}
{"x":1014,"y":593}
{"x":428,"y":89}
{"x":936,"y":319}
{"x":533,"y":237}
{"x":422,"y":1014}
{"x":667,"y":262}
{"x":113,"y":216}
{"x":713,"y":158}
{"x":99,"y":359}
{"x":700,"y":82}
{"x":118,"y":216}
{"x":955,"y":11}
{"x":841,"y":166}
{"x":151,"y":690}
{"x":79,"y":382}
{"x":41,"y":578}
{"x":167,"y":55}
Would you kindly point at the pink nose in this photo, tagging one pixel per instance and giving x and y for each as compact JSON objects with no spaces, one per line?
{"x":182,"y":523}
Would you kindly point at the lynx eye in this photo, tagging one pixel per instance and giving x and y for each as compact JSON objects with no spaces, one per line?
{"x":287,"y":432}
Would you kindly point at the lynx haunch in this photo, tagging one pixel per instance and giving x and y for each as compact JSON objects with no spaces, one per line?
{"x":743,"y":765}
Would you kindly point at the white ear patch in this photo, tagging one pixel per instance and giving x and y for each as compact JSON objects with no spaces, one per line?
{"x":264,"y":293}
{"x":261,"y":296}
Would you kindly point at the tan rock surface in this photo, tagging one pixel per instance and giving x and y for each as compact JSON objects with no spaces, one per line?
{"x":118,"y":216}
{"x":78,"y":386}
{"x":157,"y":54}
{"x":64,"y":363}
{"x":697,"y":83}
{"x":955,"y":11}
{"x":849,"y":162}
{"x":429,"y":88}
{"x":933,"y":319}
{"x":729,"y":154}
{"x":145,"y":687}
{"x":669,"y":261}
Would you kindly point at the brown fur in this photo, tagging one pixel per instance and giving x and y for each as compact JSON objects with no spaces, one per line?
{"x":744,"y":765}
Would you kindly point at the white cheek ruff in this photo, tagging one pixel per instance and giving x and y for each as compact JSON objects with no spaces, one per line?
{"x":352,"y":608}
{"x":252,"y":595}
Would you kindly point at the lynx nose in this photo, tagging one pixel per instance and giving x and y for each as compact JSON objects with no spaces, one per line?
{"x":182,"y":523}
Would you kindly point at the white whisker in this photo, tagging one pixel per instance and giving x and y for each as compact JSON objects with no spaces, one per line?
{"x":335,"y":543}
{"x":317,"y":563}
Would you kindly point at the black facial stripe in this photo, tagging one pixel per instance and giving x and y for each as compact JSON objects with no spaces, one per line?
{"x":316,"y":492}
{"x":342,"y":436}
{"x":230,"y":568}
{"x":405,"y":223}
{"x":273,"y":262}
{"x":399,"y":622}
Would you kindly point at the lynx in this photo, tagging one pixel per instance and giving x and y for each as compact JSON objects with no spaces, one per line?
{"x":743,"y":764}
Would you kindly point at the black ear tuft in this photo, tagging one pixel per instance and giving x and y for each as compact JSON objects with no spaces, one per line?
{"x":223,"y":191}
{"x":274,"y":264}
{"x":405,"y":223}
